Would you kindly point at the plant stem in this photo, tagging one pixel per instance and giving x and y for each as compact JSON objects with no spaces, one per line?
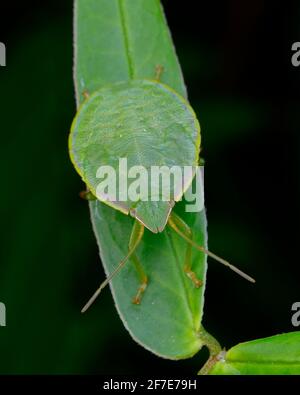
{"x":215,"y":351}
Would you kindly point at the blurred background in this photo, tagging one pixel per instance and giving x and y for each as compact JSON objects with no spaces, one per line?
{"x":236,"y":60}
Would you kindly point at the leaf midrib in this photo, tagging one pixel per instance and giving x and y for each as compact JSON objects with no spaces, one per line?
{"x":126,"y":39}
{"x":131,"y":73}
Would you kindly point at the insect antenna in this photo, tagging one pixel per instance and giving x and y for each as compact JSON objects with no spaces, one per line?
{"x":136,"y":236}
{"x":211,"y":254}
{"x":106,"y":281}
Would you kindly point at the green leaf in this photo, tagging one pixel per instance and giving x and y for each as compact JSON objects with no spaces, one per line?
{"x":276,"y":355}
{"x":139,"y":124}
{"x":117,"y":41}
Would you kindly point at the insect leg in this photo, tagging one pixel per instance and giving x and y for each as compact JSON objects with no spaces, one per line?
{"x":135,"y":238}
{"x":85,"y":94}
{"x":143,"y":279}
{"x":188,"y":265}
{"x":158,"y":72}
{"x":177,"y":223}
{"x":87,"y":195}
{"x":142,"y":275}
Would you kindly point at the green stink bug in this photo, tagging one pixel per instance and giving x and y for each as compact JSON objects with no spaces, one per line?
{"x":149,"y":125}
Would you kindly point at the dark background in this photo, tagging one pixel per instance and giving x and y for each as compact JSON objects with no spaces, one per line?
{"x":236,"y":62}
